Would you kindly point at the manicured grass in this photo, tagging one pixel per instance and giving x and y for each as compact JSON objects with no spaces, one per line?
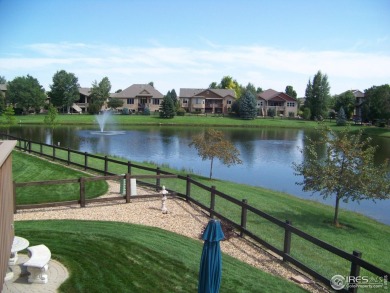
{"x":209,"y":120}
{"x":119,"y":257}
{"x":358,"y":232}
{"x":27,"y":168}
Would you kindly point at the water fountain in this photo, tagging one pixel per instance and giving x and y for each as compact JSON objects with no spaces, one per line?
{"x":102,"y":120}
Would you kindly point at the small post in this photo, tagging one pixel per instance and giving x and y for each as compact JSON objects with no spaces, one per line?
{"x":29,"y":146}
{"x":129,"y":167}
{"x":68,"y":156}
{"x":54,"y":152}
{"x":287,"y":240}
{"x":355,"y":272}
{"x":158,"y":179}
{"x":85,"y":161}
{"x":40,"y":148}
{"x":212,"y":202}
{"x":128,"y":187}
{"x":164,"y":192}
{"x":188,"y":188}
{"x":82,"y":192}
{"x":105,"y":166}
{"x":244,"y":212}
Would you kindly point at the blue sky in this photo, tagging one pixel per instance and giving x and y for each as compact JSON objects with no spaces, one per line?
{"x":179,"y":44}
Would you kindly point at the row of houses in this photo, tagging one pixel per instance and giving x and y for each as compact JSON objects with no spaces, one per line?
{"x":137,"y":97}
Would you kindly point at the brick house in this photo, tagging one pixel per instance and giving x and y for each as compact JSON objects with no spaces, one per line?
{"x":137,"y":97}
{"x":280,"y":102}
{"x":218,"y":101}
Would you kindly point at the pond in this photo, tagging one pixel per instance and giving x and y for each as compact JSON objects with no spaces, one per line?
{"x":267,"y":154}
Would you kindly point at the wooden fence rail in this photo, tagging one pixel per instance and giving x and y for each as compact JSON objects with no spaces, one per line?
{"x":354,"y":258}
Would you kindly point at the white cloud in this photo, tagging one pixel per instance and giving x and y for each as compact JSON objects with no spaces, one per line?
{"x":176,"y":67}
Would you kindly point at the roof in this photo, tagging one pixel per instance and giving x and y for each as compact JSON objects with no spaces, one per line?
{"x":86,"y":91}
{"x":190,"y":92}
{"x":138,"y":90}
{"x":271,"y":94}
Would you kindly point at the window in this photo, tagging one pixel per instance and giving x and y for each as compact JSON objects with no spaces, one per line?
{"x":290,"y":104}
{"x":185,"y":101}
{"x":275,"y":104}
{"x":260,"y":104}
{"x":156,"y":101}
{"x":130,"y":101}
{"x":143,"y":101}
{"x":229,"y":102}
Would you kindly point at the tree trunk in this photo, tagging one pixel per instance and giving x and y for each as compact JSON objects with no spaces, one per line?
{"x":211,"y":167}
{"x":336,"y":212}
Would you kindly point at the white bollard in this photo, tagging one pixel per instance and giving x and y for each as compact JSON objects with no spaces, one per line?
{"x":164,"y":198}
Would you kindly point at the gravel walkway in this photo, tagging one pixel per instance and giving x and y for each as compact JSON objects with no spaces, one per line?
{"x":182,"y":218}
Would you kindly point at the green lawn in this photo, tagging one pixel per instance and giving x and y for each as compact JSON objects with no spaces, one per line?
{"x":27,"y":168}
{"x":358,"y":232}
{"x":119,"y":257}
{"x":209,"y":120}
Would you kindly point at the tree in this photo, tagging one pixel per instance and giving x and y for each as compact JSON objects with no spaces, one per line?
{"x":341,"y":118}
{"x":64,"y":90}
{"x":167,"y":107}
{"x":212,"y":144}
{"x":115,"y":103}
{"x":346,"y":171}
{"x":377,"y":102}
{"x":248,"y":106}
{"x":291,"y":92}
{"x":251,"y":88}
{"x":51,"y":115}
{"x":151,"y":83}
{"x":227,"y":82}
{"x":317,"y":96}
{"x":9,"y":115}
{"x":346,"y":101}
{"x":2,"y":80}
{"x":213,"y":85}
{"x":25,"y":92}
{"x":100,"y":92}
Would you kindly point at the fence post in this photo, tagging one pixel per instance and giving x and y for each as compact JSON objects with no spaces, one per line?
{"x":105,"y":166}
{"x":355,"y":272}
{"x":128,"y":187}
{"x":40,"y":148}
{"x":29,"y":146}
{"x":158,"y":179}
{"x":129,"y":167}
{"x":243,"y":216}
{"x":212,"y":202}
{"x":188,"y":188}
{"x":54,"y":152}
{"x":287,"y":240}
{"x":85,"y":161}
{"x":68,"y":156}
{"x":82,"y":192}
{"x":14,"y":191}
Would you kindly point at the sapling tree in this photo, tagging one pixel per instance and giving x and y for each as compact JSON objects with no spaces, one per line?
{"x":341,"y":164}
{"x":213,"y":144}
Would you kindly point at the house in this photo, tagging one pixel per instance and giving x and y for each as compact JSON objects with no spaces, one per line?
{"x":83,"y":102}
{"x":3,"y":89}
{"x":207,"y":100}
{"x":279,"y":103}
{"x":359,"y":101}
{"x":137,"y":97}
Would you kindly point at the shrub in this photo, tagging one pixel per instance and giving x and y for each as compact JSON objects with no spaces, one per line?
{"x":146,"y":111}
{"x":125,"y":111}
{"x":306,"y":113}
{"x":181,"y":112}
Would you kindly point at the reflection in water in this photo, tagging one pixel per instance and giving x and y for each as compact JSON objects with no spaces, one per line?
{"x":267,"y":154}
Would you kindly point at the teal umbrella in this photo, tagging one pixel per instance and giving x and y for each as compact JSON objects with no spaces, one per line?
{"x":211,"y":261}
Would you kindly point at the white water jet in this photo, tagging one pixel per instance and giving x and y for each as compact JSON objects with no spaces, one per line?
{"x":102,"y":119}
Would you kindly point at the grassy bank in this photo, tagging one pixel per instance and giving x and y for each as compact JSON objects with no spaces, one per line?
{"x":210,"y":120}
{"x":118,"y":257}
{"x":358,"y":232}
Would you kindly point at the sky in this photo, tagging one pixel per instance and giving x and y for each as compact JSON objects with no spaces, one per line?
{"x":190,"y":44}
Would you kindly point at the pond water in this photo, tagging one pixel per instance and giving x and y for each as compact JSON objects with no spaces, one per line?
{"x":267,"y":154}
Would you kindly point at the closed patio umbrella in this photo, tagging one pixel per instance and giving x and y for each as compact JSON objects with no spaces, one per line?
{"x":211,"y":261}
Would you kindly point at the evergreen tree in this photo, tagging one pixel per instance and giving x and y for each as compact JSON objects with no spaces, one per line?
{"x":9,"y":115}
{"x":167,"y":107}
{"x":317,"y":96}
{"x":51,"y":115}
{"x":247,"y":109}
{"x":341,"y":118}
{"x":291,"y":92}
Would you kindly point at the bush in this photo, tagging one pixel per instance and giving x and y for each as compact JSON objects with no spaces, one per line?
{"x":306,"y":113}
{"x":271,"y":112}
{"x":181,"y":112}
{"x":125,"y":111}
{"x":341,"y":118}
{"x":146,"y":111}
{"x":291,"y":114}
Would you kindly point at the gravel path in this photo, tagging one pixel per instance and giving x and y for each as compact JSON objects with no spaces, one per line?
{"x":182,"y":218}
